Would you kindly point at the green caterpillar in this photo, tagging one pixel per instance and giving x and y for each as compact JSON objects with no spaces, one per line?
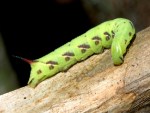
{"x":116,"y":34}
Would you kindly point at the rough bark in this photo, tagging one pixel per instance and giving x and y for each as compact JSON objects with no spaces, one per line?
{"x":94,"y":85}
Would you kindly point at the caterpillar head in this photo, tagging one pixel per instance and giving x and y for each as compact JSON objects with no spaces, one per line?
{"x":117,"y":53}
{"x":119,"y":47}
{"x":124,"y":33}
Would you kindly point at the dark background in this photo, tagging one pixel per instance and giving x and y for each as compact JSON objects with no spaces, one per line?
{"x":33,"y":29}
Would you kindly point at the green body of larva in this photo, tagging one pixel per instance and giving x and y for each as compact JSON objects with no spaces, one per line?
{"x":116,"y":34}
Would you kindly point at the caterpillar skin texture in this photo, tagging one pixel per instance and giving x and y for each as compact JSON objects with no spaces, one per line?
{"x":115,"y":34}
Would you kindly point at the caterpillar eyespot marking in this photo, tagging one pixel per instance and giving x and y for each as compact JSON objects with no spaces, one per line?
{"x":107,"y":36}
{"x":67,"y":58}
{"x":52,"y":62}
{"x":51,"y":67}
{"x":85,"y":46}
{"x":115,"y":34}
{"x":68,"y":54}
{"x":39,"y":72}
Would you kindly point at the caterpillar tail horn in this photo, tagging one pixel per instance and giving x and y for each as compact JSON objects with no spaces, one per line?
{"x":24,"y":59}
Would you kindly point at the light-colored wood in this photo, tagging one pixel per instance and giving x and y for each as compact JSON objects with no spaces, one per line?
{"x":94,"y":85}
